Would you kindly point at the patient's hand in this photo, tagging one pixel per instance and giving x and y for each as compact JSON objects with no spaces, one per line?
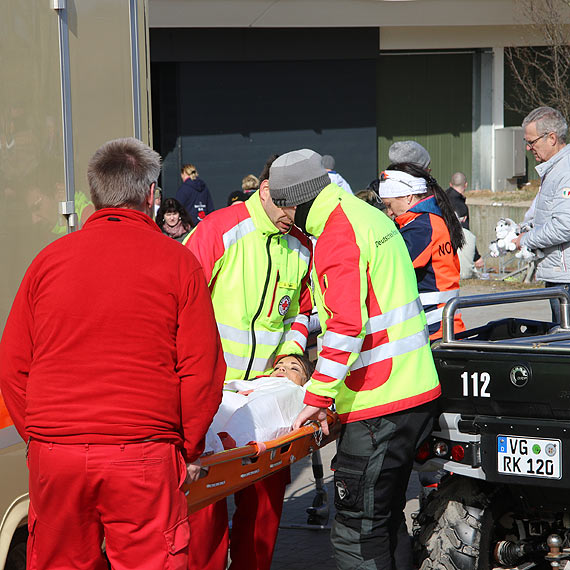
{"x":313,"y":413}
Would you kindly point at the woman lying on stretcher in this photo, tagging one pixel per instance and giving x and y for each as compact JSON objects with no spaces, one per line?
{"x":261,"y":409}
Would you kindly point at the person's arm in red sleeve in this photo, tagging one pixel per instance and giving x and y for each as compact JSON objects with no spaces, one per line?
{"x":343,"y":281}
{"x":305,"y":308}
{"x":16,"y":350}
{"x":207,"y":244}
{"x":213,"y":235}
{"x":201,"y":365}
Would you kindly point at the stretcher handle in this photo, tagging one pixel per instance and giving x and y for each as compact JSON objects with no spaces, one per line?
{"x":254,"y":449}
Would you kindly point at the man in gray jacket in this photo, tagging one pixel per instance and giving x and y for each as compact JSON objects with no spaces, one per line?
{"x":545,"y":134}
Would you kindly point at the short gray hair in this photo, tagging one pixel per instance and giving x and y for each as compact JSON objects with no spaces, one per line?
{"x":120,"y":173}
{"x":548,"y":120}
{"x":458,"y":179}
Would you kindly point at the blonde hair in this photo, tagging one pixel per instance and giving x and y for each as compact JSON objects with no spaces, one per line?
{"x":249,"y":183}
{"x":187,"y":168}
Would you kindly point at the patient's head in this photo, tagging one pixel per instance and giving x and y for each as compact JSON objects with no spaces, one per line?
{"x":296,"y":367}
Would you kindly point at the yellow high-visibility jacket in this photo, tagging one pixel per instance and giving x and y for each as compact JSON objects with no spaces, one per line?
{"x":375,"y":355}
{"x":258,"y":279}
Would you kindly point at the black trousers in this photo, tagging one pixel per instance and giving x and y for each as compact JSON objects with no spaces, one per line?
{"x":372,"y":468}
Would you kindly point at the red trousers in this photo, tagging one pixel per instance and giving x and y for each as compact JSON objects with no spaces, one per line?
{"x":129,"y":494}
{"x":254,"y":528}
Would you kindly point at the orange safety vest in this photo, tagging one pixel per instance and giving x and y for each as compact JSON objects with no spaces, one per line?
{"x":436,"y":264}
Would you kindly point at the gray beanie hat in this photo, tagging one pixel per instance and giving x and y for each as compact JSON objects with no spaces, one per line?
{"x":327,"y":162}
{"x":297,"y":177}
{"x":409,"y":151}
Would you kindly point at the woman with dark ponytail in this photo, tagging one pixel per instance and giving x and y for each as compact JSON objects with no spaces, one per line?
{"x":432,"y":233}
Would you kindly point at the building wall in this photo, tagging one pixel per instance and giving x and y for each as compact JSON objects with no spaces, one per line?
{"x":259,"y":93}
{"x":427,"y":98}
{"x":327,"y":30}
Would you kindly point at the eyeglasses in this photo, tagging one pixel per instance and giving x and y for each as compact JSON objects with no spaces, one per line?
{"x":531,"y":144}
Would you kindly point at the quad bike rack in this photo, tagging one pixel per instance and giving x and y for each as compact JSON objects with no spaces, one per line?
{"x":449,"y":339}
{"x":228,"y":471}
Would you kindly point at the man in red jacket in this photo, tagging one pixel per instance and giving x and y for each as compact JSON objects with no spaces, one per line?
{"x":111,"y":368}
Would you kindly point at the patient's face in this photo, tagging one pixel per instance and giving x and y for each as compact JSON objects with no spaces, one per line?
{"x":289,"y":367}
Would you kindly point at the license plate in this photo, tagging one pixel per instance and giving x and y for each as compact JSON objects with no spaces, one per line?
{"x":529,"y":456}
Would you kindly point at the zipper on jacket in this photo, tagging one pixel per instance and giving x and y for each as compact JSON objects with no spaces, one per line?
{"x":260,"y":308}
{"x":274,"y":294}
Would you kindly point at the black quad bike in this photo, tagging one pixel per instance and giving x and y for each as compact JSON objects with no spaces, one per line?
{"x":503,"y":439}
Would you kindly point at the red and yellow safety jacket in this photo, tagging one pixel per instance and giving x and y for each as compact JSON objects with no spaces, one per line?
{"x":436,"y":264}
{"x":258,"y":279}
{"x":375,"y":356}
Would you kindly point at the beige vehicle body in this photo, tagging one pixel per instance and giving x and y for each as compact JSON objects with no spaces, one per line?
{"x":74,"y":74}
{"x":13,"y":494}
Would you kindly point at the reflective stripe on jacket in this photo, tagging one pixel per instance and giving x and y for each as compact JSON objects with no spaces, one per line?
{"x":436,"y":264}
{"x":375,"y":356}
{"x":258,"y":279}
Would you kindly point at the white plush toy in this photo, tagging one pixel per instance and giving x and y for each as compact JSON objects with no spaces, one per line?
{"x":507,"y":231}
{"x":525,"y":254}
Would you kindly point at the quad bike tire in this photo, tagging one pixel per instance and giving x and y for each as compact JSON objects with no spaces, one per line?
{"x":453,"y":527}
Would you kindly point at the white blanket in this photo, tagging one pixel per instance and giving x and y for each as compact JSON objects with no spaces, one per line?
{"x":266,"y":413}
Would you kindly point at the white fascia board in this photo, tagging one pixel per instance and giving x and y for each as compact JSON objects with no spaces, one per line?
{"x":330,"y":13}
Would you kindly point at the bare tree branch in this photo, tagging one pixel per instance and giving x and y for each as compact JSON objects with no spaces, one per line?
{"x":542,"y":74}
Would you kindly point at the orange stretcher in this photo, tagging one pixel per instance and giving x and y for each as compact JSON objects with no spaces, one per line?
{"x":228,"y":471}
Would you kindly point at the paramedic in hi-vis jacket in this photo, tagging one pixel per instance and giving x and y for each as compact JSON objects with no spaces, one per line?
{"x":374,"y":363}
{"x":111,"y":368}
{"x":257,"y":265}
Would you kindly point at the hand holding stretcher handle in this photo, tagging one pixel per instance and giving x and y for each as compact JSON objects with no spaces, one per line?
{"x":193,"y":471}
{"x":312,"y":413}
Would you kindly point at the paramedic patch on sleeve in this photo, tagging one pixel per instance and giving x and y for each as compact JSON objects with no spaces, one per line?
{"x":566,"y":192}
{"x":284,"y":304}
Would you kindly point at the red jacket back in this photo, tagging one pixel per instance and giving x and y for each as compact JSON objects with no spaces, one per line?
{"x":112,"y":338}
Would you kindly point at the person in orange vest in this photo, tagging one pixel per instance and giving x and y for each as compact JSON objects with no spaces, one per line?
{"x":432,"y":233}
